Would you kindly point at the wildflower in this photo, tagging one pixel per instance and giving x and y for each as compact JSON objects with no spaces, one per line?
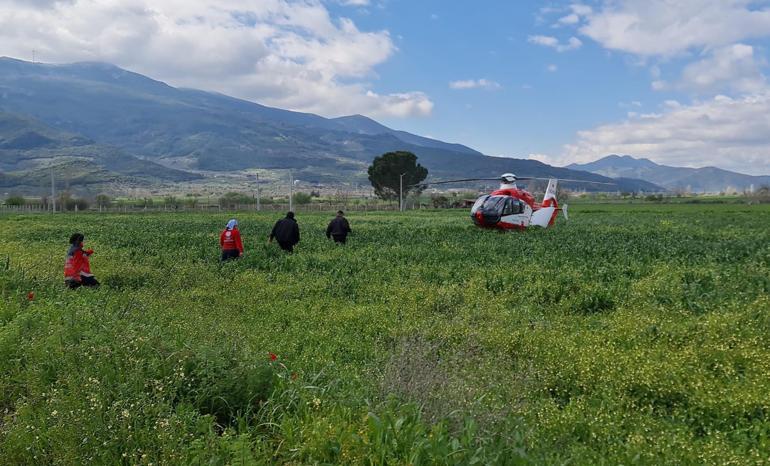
{"x":273,"y":356}
{"x":293,"y":376}
{"x":31,"y":296}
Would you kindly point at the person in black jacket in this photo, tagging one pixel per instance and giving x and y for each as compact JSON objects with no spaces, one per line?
{"x":339,"y":228}
{"x":286,"y":232}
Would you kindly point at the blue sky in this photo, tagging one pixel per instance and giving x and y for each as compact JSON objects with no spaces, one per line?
{"x":537,"y":107}
{"x":545,"y":95}
{"x":680,"y":82}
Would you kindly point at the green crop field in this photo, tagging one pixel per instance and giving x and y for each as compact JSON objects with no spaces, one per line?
{"x":633,"y":334}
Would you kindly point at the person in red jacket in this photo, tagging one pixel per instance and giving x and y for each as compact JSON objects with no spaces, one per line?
{"x":230,"y":241}
{"x":77,"y":268}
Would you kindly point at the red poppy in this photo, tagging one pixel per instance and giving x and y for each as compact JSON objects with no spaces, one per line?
{"x":31,"y":296}
{"x":273,"y":356}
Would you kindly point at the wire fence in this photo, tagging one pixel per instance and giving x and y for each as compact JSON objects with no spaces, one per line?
{"x":214,"y":208}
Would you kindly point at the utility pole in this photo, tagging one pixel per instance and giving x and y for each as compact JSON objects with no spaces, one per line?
{"x":53,"y":192}
{"x":258,"y":194}
{"x":291,"y":192}
{"x":401,"y":192}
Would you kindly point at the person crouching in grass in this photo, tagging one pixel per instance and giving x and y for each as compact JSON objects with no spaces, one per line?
{"x":230,"y":241}
{"x":77,"y":268}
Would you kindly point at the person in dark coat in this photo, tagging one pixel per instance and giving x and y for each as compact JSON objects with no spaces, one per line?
{"x":286,"y":232}
{"x":339,"y":228}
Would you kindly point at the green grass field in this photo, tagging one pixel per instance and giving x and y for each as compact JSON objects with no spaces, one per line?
{"x":633,"y":334}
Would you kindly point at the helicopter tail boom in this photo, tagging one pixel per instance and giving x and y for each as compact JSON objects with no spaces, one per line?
{"x":545,"y":216}
{"x":549,"y":200}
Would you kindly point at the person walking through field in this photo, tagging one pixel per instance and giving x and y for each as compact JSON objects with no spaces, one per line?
{"x":286,"y":232}
{"x":77,"y":267}
{"x":339,"y":228}
{"x":230,"y":241}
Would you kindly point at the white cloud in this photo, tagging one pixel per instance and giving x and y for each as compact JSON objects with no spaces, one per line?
{"x":34,"y":3}
{"x":707,"y":38}
{"x":732,"y":68}
{"x":545,"y":158}
{"x":723,"y":131}
{"x":667,"y":28}
{"x":573,"y":43}
{"x":632,"y":104}
{"x":355,"y":2}
{"x":475,"y":84}
{"x":402,"y":105}
{"x":580,"y":9}
{"x":287,"y":53}
{"x":546,"y":41}
{"x":571,"y":18}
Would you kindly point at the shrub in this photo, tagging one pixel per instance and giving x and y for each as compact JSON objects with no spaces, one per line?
{"x":439,"y":201}
{"x":73,"y":203}
{"x":103,"y":200}
{"x":227,"y":389}
{"x":15,"y":201}
{"x":302,"y":198}
{"x":232,"y":200}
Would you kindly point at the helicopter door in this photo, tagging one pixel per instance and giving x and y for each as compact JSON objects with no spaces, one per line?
{"x":513,"y":206}
{"x":515,"y":212}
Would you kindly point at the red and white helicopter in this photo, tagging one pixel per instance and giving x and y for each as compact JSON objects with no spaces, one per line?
{"x":513,"y":208}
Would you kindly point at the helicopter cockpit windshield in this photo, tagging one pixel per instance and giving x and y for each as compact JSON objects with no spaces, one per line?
{"x":494,"y":208}
{"x":494,"y":205}
{"x":479,"y":203}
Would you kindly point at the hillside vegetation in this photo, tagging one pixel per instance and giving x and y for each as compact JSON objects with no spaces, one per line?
{"x":196,"y":130}
{"x":633,"y":334}
{"x":29,"y":149}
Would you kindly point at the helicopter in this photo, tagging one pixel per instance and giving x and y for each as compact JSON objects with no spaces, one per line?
{"x":514,"y":208}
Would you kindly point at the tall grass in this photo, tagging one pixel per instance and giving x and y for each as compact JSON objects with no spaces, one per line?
{"x":634,"y":334}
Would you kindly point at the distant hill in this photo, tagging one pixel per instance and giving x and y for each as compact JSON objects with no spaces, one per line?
{"x":364,"y":125}
{"x":29,"y":149}
{"x":130,"y":115}
{"x":699,"y":180}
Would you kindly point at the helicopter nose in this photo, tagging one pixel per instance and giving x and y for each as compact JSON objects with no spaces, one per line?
{"x":478,"y":218}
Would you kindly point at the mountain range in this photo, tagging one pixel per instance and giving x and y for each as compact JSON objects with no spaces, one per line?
{"x":102,"y":125}
{"x":696,"y":180}
{"x":27,"y":149}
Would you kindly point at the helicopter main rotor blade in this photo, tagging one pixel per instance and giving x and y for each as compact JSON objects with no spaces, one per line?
{"x":586,"y":181}
{"x":563,"y":179}
{"x":457,"y":181}
{"x":522,"y":178}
